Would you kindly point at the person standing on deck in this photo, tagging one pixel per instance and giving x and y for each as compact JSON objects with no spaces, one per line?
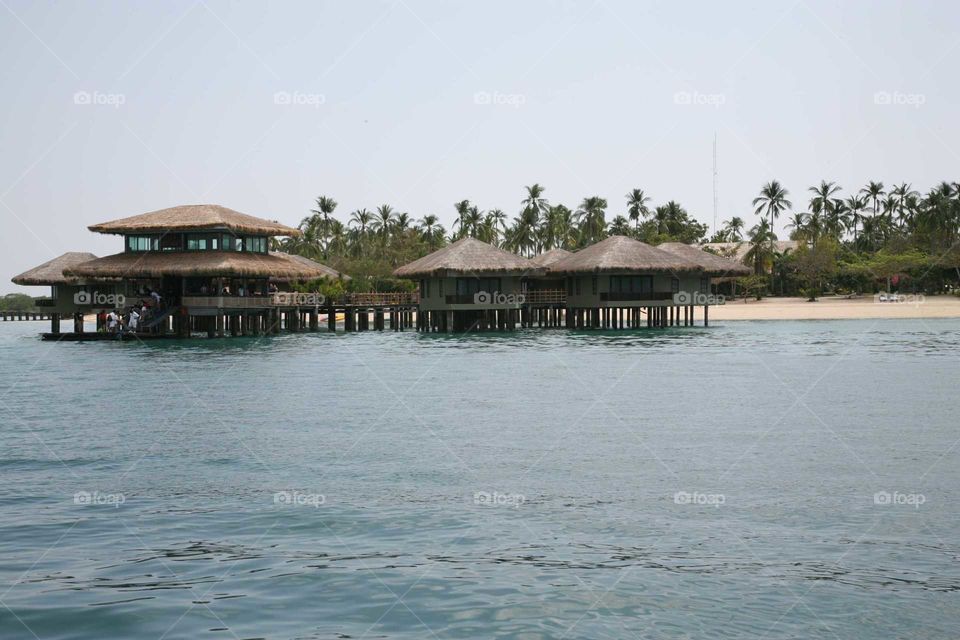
{"x":134,"y":319}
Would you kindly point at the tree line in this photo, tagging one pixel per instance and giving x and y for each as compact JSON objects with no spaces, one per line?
{"x":854,"y":241}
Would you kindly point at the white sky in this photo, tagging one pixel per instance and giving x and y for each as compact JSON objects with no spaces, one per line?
{"x":583,"y":98}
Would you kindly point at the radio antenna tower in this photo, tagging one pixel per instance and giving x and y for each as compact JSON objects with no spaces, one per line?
{"x":715,"y":206}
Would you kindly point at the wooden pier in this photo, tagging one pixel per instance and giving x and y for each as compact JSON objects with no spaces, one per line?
{"x":9,"y":316}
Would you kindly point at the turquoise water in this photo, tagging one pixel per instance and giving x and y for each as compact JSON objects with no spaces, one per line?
{"x":689,"y":483}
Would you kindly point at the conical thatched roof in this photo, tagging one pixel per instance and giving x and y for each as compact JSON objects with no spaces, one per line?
{"x":467,"y":255}
{"x":330,"y":272}
{"x":712,"y":264}
{"x":620,"y":254}
{"x":194,"y":217}
{"x":51,"y":272}
{"x":547,"y":258}
{"x":200,"y":263}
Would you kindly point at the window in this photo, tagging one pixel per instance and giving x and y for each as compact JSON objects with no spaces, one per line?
{"x":256,"y":244}
{"x":593,"y":285}
{"x":569,"y":286}
{"x":141,"y":243}
{"x":675,"y":285}
{"x":631,"y":284}
{"x":704,"y":285}
{"x":171,"y":242}
{"x":441,"y":287}
{"x":578,"y":285}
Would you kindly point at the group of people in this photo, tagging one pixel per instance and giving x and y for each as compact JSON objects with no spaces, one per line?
{"x":130,"y":318}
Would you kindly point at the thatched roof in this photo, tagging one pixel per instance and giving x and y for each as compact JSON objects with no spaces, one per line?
{"x":51,"y":272}
{"x":547,"y":258}
{"x":194,"y":217}
{"x":467,"y":255}
{"x":330,"y":272}
{"x":713,"y":265}
{"x":620,"y":254}
{"x":200,"y":263}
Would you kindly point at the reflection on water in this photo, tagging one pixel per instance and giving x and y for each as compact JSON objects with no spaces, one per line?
{"x":717,"y":482}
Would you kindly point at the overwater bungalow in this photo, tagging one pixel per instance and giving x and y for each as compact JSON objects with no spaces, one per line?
{"x":469,"y":284}
{"x":64,"y":289}
{"x":201,"y":268}
{"x":620,"y":282}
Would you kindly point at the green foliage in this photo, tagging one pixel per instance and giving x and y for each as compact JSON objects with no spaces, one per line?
{"x":17,"y":302}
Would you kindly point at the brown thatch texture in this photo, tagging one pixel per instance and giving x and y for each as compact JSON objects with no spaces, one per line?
{"x":469,"y":256}
{"x":620,"y":254}
{"x":713,"y":265}
{"x":199,"y":263}
{"x":329,"y":272}
{"x":51,"y":272}
{"x":548,"y":258}
{"x":194,"y":217}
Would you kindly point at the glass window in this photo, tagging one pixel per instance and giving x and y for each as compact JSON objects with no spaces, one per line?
{"x":704,"y":285}
{"x":578,"y":286}
{"x":593,"y":285}
{"x":675,"y":285}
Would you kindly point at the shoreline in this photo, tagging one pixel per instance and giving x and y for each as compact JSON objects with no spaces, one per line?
{"x":839,"y":308}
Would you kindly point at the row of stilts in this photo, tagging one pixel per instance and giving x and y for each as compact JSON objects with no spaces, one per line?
{"x":273,"y":321}
{"x":634,"y":317}
{"x":10,"y":316}
{"x":559,"y":316}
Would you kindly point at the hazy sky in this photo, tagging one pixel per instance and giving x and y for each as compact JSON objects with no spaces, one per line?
{"x":111,"y":109}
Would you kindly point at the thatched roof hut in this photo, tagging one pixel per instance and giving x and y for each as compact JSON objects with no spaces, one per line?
{"x":713,"y":265}
{"x":469,"y":256}
{"x":548,"y":258}
{"x":200,"y":264}
{"x":194,"y":217}
{"x":51,"y":272}
{"x":620,"y":254}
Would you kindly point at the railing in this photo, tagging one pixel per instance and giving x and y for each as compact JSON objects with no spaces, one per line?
{"x":228,"y":302}
{"x":625,"y":296}
{"x":545,"y":296}
{"x":382,"y":299}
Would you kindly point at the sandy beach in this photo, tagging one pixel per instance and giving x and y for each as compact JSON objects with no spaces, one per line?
{"x":866,"y":307}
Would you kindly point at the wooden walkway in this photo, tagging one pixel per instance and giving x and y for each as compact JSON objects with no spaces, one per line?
{"x":9,"y":316}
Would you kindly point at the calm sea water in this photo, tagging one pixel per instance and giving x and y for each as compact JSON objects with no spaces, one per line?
{"x":753,"y":479}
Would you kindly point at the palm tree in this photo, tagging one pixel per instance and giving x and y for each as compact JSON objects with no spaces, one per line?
{"x":460,"y":224}
{"x":591,"y":217}
{"x":637,"y":206}
{"x":855,"y":205}
{"x":383,"y":222}
{"x":620,"y":226}
{"x":558,"y":229}
{"x":823,"y":207}
{"x":733,"y":229}
{"x":772,"y":201}
{"x":874,"y":191}
{"x":360,"y":223}
{"x":431,"y":231}
{"x":798,"y":222}
{"x":401,"y":222}
{"x":498,"y":224}
{"x":535,"y":200}
{"x":761,"y":249}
